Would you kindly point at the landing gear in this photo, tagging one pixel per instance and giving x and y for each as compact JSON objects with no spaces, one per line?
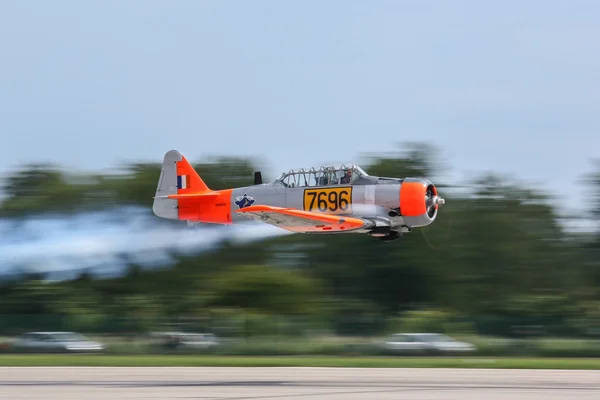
{"x":384,"y":233}
{"x":380,"y":231}
{"x":393,"y":235}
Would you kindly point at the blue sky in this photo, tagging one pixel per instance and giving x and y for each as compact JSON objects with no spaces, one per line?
{"x":507,"y":86}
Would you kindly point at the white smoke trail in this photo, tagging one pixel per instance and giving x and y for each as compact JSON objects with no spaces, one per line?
{"x":105,"y":242}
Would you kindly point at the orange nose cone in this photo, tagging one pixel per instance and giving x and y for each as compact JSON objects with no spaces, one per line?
{"x":412,"y":199}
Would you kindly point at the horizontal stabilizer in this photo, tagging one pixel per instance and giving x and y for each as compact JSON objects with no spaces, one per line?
{"x":188,"y":196}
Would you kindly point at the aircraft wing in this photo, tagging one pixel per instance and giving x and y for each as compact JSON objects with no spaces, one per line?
{"x":295,"y":220}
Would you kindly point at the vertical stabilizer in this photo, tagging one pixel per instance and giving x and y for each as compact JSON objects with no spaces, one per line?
{"x":177,"y":176}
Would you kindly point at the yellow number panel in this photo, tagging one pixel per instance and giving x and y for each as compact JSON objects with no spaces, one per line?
{"x":328,"y":200}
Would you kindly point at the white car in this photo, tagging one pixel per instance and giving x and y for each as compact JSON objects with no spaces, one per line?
{"x":425,"y":343}
{"x":44,"y":342}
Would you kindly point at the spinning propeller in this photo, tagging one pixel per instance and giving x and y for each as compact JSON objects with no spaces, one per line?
{"x":432,"y":201}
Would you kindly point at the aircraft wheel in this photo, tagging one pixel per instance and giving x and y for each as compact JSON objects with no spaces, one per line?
{"x":391,"y":237}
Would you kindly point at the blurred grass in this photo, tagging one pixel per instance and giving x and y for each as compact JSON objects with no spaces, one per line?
{"x":348,"y":362}
{"x":270,"y":346}
{"x":256,"y":346}
{"x":487,"y":346}
{"x":538,"y":347}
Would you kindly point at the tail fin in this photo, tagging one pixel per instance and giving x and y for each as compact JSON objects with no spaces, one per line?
{"x":177,"y":177}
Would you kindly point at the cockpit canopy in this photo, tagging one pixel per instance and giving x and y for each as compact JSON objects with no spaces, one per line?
{"x":322,"y":176}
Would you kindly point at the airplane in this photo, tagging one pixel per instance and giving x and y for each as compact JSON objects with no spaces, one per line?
{"x":326,"y":200}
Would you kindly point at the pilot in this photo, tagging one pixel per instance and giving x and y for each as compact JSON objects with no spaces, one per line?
{"x":347,"y":177}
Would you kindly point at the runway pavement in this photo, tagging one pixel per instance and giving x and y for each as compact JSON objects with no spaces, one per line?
{"x":108,"y":383}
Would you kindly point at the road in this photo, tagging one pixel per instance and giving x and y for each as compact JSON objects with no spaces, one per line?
{"x":108,"y":383}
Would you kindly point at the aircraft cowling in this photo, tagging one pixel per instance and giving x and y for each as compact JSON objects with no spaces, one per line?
{"x":419,"y":202}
